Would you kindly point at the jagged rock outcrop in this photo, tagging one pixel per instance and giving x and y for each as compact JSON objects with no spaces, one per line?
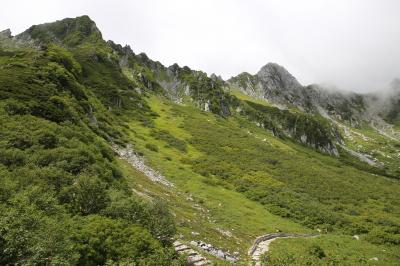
{"x":207,"y":92}
{"x":279,"y":85}
{"x":179,"y":83}
{"x":175,"y":82}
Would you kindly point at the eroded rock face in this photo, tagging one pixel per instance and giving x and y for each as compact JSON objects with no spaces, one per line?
{"x":278,"y":84}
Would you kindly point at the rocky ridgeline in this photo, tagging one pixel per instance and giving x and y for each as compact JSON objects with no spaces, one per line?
{"x":138,"y":163}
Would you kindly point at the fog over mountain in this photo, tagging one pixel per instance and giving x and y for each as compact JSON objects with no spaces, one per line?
{"x":351,"y":45}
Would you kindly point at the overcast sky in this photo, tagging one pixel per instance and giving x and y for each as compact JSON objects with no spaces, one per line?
{"x":350,"y":44}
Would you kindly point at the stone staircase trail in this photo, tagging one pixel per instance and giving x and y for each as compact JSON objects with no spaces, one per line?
{"x":193,"y":256}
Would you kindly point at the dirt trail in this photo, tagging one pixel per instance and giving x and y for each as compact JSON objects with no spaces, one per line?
{"x":261,"y":244}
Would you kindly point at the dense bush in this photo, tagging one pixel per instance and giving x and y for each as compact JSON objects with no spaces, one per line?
{"x":151,"y":147}
{"x":112,"y":240}
{"x":169,"y":139}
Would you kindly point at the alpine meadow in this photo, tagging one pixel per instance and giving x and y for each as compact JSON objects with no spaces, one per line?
{"x":108,"y":157}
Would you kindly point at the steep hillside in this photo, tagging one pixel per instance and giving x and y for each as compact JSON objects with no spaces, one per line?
{"x":108,"y":157}
{"x":64,"y":199}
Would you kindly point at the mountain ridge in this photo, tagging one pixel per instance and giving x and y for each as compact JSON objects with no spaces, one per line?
{"x":282,"y":89}
{"x":272,"y":83}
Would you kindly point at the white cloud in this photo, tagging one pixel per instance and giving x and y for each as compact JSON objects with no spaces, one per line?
{"x":352,"y":44}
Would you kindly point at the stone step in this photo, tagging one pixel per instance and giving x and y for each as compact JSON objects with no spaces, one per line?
{"x":181,"y":248}
{"x":192,"y":256}
{"x":195,"y":258}
{"x":177,"y":243}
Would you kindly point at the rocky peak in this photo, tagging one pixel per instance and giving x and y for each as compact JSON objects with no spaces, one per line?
{"x":121,"y":50}
{"x":216,"y":78}
{"x":244,"y":80}
{"x":277,"y":77}
{"x":174,"y":69}
{"x":153,"y":65}
{"x":273,"y":83}
{"x":69,"y":32}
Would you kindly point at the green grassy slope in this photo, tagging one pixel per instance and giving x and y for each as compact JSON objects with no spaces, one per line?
{"x":249,"y":180}
{"x":330,"y":250}
{"x":63,"y":199}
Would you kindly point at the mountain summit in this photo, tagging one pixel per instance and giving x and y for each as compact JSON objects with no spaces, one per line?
{"x":277,"y":78}
{"x":69,"y":32}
